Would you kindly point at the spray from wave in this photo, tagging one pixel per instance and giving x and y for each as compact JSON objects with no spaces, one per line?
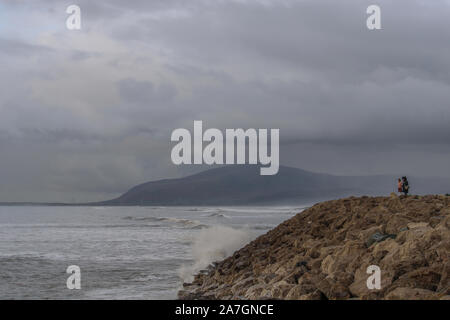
{"x":213,"y":244}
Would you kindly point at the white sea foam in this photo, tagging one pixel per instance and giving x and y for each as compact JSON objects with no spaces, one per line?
{"x":213,"y":244}
{"x":217,"y":215}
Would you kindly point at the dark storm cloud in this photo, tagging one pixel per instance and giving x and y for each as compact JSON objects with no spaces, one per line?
{"x":88,"y":114}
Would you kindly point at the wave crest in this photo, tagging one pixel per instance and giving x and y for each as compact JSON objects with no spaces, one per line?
{"x":213,"y":244}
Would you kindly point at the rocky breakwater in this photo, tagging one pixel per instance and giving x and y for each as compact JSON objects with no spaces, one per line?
{"x":324,"y":252}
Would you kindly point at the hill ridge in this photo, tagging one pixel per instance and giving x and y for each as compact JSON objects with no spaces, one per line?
{"x":242,"y":185}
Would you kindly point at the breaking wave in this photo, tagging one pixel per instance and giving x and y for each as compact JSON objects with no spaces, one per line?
{"x":213,"y":244}
{"x":176,"y":221}
{"x":218,"y":215}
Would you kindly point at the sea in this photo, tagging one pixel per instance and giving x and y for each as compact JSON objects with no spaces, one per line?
{"x":120,"y":252}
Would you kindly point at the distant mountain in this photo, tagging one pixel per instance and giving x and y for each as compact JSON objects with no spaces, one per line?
{"x":242,"y":185}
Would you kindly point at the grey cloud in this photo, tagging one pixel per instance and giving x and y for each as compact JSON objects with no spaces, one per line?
{"x":145,"y":92}
{"x":346,"y":100}
{"x":13,"y":47}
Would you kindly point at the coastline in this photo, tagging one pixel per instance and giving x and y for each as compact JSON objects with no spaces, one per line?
{"x":324,"y":252}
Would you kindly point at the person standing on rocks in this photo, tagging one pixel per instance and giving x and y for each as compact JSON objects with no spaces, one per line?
{"x":399,"y":185}
{"x":405,"y":186}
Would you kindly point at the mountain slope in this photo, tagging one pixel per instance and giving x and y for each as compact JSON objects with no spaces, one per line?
{"x":240,"y":185}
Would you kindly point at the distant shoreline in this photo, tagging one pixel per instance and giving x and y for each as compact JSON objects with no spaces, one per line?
{"x":243,"y":186}
{"x":38,"y":204}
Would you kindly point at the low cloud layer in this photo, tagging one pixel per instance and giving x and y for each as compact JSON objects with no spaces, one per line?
{"x":87,"y":114}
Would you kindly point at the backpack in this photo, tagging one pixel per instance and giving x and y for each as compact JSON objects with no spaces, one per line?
{"x":406,"y":185}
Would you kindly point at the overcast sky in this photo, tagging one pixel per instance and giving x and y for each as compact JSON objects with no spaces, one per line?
{"x":87,"y":114}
